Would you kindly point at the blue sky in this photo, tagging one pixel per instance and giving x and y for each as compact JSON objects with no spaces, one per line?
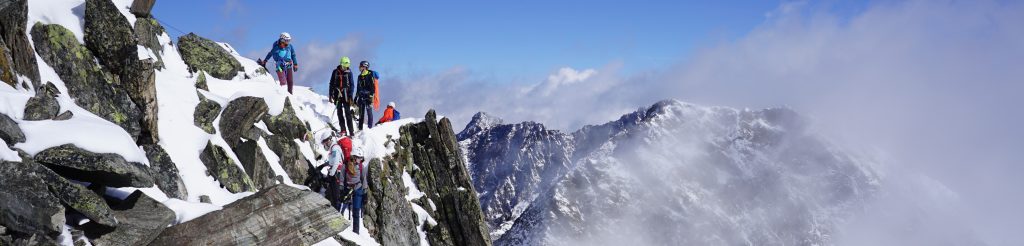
{"x":501,"y":41}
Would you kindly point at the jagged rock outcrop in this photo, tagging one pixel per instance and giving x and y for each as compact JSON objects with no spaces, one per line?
{"x":7,"y":65}
{"x":205,"y":113}
{"x":101,"y":168}
{"x":147,"y":32}
{"x":201,"y":54}
{"x":286,"y":124}
{"x":73,"y":195}
{"x":255,"y":164}
{"x":90,"y":86}
{"x":388,"y":216}
{"x":26,"y":208}
{"x":141,"y":219}
{"x":291,"y":158}
{"x":109,"y":36}
{"x":43,"y":106}
{"x":239,"y":118}
{"x":142,"y":8}
{"x":201,"y":81}
{"x":12,"y":29}
{"x":221,"y":167}
{"x":140,"y":81}
{"x":9,"y":131}
{"x":442,"y":175}
{"x":278,"y":215}
{"x":165,"y":172}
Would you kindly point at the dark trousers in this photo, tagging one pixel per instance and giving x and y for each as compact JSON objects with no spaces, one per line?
{"x":334,"y":191}
{"x":365,"y":114}
{"x":345,"y":117}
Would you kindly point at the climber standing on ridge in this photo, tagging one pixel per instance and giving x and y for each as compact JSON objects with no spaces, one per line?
{"x":355,"y":179}
{"x":339,"y":153}
{"x":341,"y":90}
{"x":284,"y":57}
{"x":367,"y":94}
{"x":390,"y":114}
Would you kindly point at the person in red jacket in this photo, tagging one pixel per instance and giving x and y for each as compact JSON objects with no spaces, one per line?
{"x":390,"y":114}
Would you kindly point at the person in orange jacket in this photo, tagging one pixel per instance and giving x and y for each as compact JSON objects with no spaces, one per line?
{"x":390,"y":114}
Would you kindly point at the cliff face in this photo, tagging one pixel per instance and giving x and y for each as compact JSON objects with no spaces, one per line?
{"x":428,"y":152}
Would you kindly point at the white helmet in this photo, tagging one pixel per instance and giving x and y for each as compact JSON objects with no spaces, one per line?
{"x":391,"y":104}
{"x":325,"y":136}
{"x":286,"y":37}
{"x":358,"y":152}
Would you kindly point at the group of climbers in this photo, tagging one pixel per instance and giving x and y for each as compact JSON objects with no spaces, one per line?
{"x":347,"y":176}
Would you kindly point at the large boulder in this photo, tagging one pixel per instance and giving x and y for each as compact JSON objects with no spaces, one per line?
{"x":26,"y":205}
{"x":73,"y":195}
{"x":224,"y":170}
{"x":202,"y":54}
{"x":43,"y":106}
{"x":7,"y":65}
{"x":255,"y":163}
{"x":100,"y":168}
{"x":278,"y":215}
{"x":290,"y":157}
{"x":142,"y":8}
{"x":12,"y":29}
{"x":389,"y":217}
{"x":148,"y":31}
{"x":206,"y":111}
{"x":443,"y":176}
{"x":90,"y":86}
{"x":109,"y":36}
{"x":286,"y":123}
{"x":165,"y":172}
{"x":239,"y":117}
{"x":141,"y":220}
{"x":9,"y":130}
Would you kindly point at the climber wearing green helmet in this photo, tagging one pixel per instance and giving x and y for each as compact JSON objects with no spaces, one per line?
{"x":341,"y":92}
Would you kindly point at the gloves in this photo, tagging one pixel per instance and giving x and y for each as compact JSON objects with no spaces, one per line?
{"x":261,"y":62}
{"x":295,"y":68}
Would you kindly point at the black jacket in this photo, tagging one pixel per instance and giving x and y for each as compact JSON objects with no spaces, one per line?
{"x":343,"y":78}
{"x":366,"y":87}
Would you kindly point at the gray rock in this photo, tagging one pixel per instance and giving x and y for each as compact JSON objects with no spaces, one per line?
{"x":142,"y":8}
{"x":255,"y":163}
{"x":432,"y":145}
{"x":165,"y":172}
{"x":43,"y":106}
{"x":387,"y":212}
{"x":239,"y":117}
{"x":147,"y":32}
{"x":101,"y":168}
{"x":27,"y":206}
{"x":7,"y":65}
{"x":205,"y":199}
{"x":9,"y":131}
{"x":206,"y":112}
{"x":142,"y":219}
{"x":67,"y":115}
{"x":73,"y":195}
{"x":12,"y":28}
{"x":202,"y":54}
{"x":224,"y":170}
{"x":90,"y":86}
{"x":109,"y":36}
{"x":286,"y":123}
{"x":278,"y":215}
{"x":201,"y":81}
{"x":291,"y":158}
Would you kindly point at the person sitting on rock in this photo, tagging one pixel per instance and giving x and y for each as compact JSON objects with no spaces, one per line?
{"x":355,"y":179}
{"x":284,"y":56}
{"x":390,"y":114}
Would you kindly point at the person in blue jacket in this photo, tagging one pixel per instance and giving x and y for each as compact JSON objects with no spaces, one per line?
{"x":284,"y":57}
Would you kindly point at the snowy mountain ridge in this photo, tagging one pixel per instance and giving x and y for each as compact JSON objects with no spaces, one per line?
{"x":672,"y":173}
